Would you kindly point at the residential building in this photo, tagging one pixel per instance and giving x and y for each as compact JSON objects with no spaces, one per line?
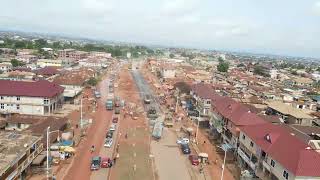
{"x":17,"y":151}
{"x":168,"y":71}
{"x":30,"y":97}
{"x":272,"y":152}
{"x":72,"y":54}
{"x":290,"y":114}
{"x":49,"y":62}
{"x":5,"y":67}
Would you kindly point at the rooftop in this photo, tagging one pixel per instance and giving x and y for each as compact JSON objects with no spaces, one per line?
{"x":40,"y":88}
{"x":284,"y":147}
{"x":289,"y":110}
{"x":13,"y":147}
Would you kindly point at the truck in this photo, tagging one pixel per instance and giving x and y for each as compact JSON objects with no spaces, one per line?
{"x":157,"y":130}
{"x":168,"y":121}
{"x":109,"y":103}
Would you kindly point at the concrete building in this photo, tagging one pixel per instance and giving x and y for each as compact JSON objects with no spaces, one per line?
{"x":34,"y":98}
{"x":72,"y":54}
{"x":17,"y":151}
{"x":272,"y":152}
{"x":49,"y":62}
{"x":5,"y":67}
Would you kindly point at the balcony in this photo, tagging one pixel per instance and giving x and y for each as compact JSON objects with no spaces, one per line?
{"x":246,"y":158}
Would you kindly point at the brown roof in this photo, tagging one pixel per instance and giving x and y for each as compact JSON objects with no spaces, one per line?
{"x":47,"y":71}
{"x":74,"y":77}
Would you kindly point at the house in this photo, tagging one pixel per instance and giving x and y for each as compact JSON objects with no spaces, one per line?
{"x":46,"y":71}
{"x":17,"y":151}
{"x":72,"y":54}
{"x":30,"y":97}
{"x":168,"y":71}
{"x":272,"y":152}
{"x":49,"y":62}
{"x":73,"y":81}
{"x":289,"y":114}
{"x":202,"y":94}
{"x":5,"y":67}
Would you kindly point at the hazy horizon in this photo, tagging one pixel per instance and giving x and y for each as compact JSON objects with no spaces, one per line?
{"x":286,"y":28}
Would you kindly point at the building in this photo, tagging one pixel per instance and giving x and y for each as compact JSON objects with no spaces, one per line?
{"x":17,"y":151}
{"x":73,"y":81}
{"x":95,"y":54}
{"x":272,"y":152}
{"x":289,"y":114}
{"x":168,"y":71}
{"x":72,"y":54}
{"x":5,"y":67}
{"x":30,"y":97}
{"x":49,"y":62}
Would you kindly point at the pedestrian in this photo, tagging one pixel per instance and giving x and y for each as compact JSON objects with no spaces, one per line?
{"x":126,"y":136}
{"x":114,"y":160}
{"x":204,"y":142}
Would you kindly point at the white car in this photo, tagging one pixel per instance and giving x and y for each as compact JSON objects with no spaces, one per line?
{"x":112,"y":127}
{"x":108,"y":143}
{"x":183,"y":141}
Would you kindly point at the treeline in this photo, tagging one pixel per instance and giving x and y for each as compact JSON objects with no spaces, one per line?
{"x":116,"y":51}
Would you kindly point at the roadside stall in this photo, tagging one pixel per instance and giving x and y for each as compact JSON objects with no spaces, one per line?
{"x":204,"y":158}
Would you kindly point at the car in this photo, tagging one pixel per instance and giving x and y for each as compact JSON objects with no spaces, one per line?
{"x":183,"y":141}
{"x":115,"y":119}
{"x":95,"y":163}
{"x":194,"y":159}
{"x":147,"y":99}
{"x":117,"y":110}
{"x":185,"y":148}
{"x":112,"y":127}
{"x":108,"y":142}
{"x":109,"y":134}
{"x":105,"y":162}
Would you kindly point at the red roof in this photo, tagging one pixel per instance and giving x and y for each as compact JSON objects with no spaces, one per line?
{"x":47,"y":71}
{"x":31,"y":89}
{"x":202,"y":90}
{"x":288,"y":150}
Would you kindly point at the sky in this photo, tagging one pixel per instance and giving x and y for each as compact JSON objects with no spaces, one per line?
{"x":285,"y":27}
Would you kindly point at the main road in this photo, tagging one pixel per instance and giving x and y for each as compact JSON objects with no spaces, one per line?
{"x":169,"y":161}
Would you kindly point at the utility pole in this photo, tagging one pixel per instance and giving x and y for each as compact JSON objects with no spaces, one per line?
{"x":48,"y":129}
{"x":197,"y":131}
{"x":81,"y":114}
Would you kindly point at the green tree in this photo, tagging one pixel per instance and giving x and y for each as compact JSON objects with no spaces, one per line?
{"x":171,"y":55}
{"x":92,"y":81}
{"x":20,"y":45}
{"x":16,"y":63}
{"x":223,"y":66}
{"x":40,"y":43}
{"x":56,"y":45}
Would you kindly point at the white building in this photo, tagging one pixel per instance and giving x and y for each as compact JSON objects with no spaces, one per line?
{"x":49,"y":62}
{"x":34,"y":98}
{"x":5,"y":67}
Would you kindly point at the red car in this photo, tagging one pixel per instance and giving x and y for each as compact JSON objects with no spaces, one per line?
{"x":194,"y":159}
{"x":115,"y":120}
{"x":105,"y":162}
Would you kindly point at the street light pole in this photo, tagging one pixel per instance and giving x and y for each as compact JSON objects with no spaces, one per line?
{"x":197,"y":131}
{"x":48,"y":129}
{"x":81,"y":114}
{"x":224,"y":163}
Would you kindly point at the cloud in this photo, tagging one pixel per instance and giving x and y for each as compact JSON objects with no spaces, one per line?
{"x":98,"y":6}
{"x":316,"y":8}
{"x":178,"y":7}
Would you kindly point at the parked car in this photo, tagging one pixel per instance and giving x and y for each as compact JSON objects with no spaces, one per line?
{"x":108,"y":142}
{"x":194,"y":159}
{"x":105,"y":162}
{"x":115,"y":119}
{"x":95,"y":163}
{"x":185,"y":148}
{"x":112,"y":127}
{"x":183,"y":141}
{"x":117,"y":110}
{"x":109,"y":134}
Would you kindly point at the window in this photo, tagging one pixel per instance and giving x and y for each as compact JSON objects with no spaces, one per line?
{"x":243,"y":136}
{"x":208,"y":102}
{"x":18,"y":106}
{"x":251,"y":144}
{"x":273,"y":163}
{"x":1,"y":97}
{"x":46,"y":101}
{"x":285,"y":174}
{"x":18,"y":98}
{"x":2,"y":106}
